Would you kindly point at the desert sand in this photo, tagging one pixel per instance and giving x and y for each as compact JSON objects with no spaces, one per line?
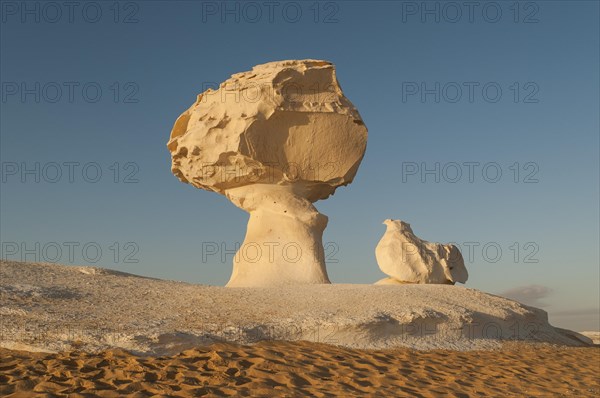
{"x":302,"y":369}
{"x":85,"y":331}
{"x":594,"y":336}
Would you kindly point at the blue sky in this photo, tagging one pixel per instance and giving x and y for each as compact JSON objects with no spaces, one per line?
{"x":97,"y":88}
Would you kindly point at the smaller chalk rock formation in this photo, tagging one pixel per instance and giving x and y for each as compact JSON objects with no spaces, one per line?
{"x":273,"y":140}
{"x":408,"y":259}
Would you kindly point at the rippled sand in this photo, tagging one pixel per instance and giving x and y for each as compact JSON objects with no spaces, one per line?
{"x":299,"y":369}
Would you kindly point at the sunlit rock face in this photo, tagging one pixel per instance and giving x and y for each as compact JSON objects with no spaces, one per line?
{"x":408,"y":259}
{"x":273,"y":140}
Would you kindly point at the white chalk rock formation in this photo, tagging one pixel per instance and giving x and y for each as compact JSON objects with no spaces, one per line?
{"x":408,"y":259}
{"x":51,"y":307}
{"x":273,"y":140}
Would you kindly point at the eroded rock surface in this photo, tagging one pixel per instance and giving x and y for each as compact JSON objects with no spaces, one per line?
{"x":106,"y":309}
{"x":273,"y":140}
{"x":408,"y":259}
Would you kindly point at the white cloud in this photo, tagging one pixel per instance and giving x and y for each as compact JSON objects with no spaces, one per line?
{"x":530,"y":295}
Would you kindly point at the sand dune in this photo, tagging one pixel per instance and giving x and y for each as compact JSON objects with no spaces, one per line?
{"x":111,"y":334}
{"x":302,"y":369}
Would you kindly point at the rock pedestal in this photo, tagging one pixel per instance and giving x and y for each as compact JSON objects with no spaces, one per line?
{"x":273,"y":140}
{"x":283,"y":243}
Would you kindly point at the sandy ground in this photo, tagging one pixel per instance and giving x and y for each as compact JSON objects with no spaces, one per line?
{"x":594,"y":336}
{"x":303,"y":369}
{"x":110,"y":334}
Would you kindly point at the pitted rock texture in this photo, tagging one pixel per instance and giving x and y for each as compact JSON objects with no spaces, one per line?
{"x":284,"y":122}
{"x":273,"y":141}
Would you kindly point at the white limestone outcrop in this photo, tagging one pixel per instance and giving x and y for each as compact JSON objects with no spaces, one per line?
{"x":273,"y":140}
{"x":408,"y":259}
{"x":51,"y":307}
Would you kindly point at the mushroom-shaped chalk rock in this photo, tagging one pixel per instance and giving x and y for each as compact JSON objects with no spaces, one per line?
{"x":273,"y":141}
{"x":408,"y":259}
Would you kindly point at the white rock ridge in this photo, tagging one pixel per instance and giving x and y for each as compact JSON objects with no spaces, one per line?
{"x":50,"y":307}
{"x":273,"y":140}
{"x":408,"y":259}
